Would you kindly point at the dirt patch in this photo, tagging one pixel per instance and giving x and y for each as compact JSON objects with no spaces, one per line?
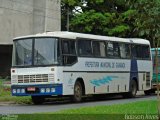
{"x":7,"y":103}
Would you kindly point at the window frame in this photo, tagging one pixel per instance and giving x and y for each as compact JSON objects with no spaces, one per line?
{"x":137,"y":52}
{"x":106,"y":52}
{"x":66,"y":39}
{"x":113,"y":56}
{"x":125,"y":44}
{"x":77,"y":44}
{"x":99,"y":56}
{"x":33,"y":45}
{"x":149,"y":50}
{"x":67,"y":56}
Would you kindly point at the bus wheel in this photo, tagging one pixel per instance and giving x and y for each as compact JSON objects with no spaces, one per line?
{"x":37,"y":100}
{"x":77,"y":97}
{"x":133,"y":89}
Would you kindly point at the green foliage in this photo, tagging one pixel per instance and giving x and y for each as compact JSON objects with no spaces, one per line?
{"x":70,"y":2}
{"x":122,"y":18}
{"x":101,"y":23}
{"x":5,"y":95}
{"x":118,"y":29}
{"x":128,"y":14}
{"x":89,"y":22}
{"x":147,"y":23}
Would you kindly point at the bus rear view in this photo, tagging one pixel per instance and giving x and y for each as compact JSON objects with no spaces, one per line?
{"x":33,"y":68}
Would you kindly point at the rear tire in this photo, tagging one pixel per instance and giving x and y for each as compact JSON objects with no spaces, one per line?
{"x":133,"y":90}
{"x":37,"y":100}
{"x":77,"y":97}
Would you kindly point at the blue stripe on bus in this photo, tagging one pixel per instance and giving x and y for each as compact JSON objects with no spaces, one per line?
{"x":58,"y":90}
{"x":134,"y":69}
{"x":103,"y":80}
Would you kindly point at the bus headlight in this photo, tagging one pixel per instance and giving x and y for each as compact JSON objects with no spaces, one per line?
{"x":47,"y":90}
{"x":18,"y":90}
{"x":52,"y":89}
{"x":14,"y":91}
{"x":42,"y":90}
{"x":22,"y":90}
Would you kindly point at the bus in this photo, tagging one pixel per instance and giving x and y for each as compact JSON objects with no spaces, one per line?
{"x":76,"y":65}
{"x":154,"y":81}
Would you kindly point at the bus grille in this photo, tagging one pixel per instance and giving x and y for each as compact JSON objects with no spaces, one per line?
{"x":39,"y":78}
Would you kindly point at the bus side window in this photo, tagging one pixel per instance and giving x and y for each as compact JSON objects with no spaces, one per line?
{"x":99,"y":49}
{"x":96,"y":48}
{"x":134,"y":51}
{"x":139,"y":50}
{"x":65,"y":47}
{"x":146,"y":52}
{"x":116,"y":50}
{"x":113,"y":50}
{"x":128,"y":50}
{"x":143,"y":52}
{"x":124,"y":50}
{"x":68,"y":52}
{"x":84,"y":48}
{"x":103,"y":49}
{"x":110,"y":49}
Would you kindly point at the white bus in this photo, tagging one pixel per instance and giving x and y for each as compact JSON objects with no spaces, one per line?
{"x":75,"y":64}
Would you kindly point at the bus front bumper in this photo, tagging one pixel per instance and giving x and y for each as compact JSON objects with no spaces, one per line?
{"x":36,"y":90}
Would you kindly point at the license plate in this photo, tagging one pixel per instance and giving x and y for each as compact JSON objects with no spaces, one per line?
{"x":32,"y":89}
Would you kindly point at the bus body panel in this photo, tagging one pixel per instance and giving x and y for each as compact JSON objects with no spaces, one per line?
{"x":99,"y":74}
{"x":111,"y":77}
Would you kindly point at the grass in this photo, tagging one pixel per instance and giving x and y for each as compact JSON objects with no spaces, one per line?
{"x":110,"y":112}
{"x":143,"y":107}
{"x":5,"y":95}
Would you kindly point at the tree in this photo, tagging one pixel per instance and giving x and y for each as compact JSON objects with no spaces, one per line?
{"x":147,"y":21}
{"x":68,"y":7}
{"x":121,"y":18}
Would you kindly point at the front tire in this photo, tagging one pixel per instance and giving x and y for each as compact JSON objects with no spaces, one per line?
{"x":77,"y":97}
{"x":37,"y":100}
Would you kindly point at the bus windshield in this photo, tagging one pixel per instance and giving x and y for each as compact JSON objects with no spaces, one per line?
{"x":37,"y":51}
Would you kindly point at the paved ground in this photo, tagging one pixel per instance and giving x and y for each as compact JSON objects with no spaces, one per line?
{"x":56,"y":106}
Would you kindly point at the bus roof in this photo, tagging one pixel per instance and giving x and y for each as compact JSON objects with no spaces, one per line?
{"x":74,"y":35}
